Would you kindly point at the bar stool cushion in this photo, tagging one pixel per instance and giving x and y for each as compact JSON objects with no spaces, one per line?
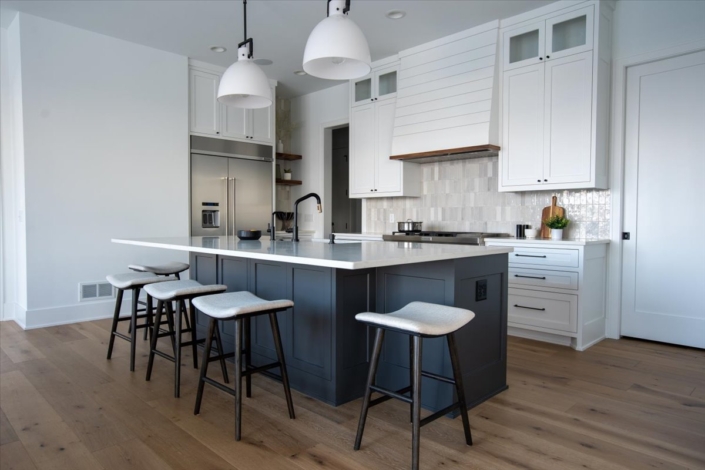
{"x":128,"y":280}
{"x":171,"y":290}
{"x":163,"y":269}
{"x":233,"y":304}
{"x":420,"y":318}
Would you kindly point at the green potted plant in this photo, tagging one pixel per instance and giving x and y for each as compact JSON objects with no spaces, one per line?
{"x":287,"y":173}
{"x":556,"y":223}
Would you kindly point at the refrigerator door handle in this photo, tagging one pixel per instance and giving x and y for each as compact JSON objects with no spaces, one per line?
{"x":227,"y":191}
{"x":234,"y":207}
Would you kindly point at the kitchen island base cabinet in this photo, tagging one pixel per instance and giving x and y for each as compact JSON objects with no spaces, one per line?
{"x":328,"y":351}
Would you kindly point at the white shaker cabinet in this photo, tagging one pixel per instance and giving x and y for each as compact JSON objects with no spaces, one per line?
{"x":372,"y":113}
{"x":555,"y":84}
{"x":204,"y":106}
{"x":209,"y":117}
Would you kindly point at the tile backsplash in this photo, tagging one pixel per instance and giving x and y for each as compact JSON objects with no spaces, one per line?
{"x":462,"y":196}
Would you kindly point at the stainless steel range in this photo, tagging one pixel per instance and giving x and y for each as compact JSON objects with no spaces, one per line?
{"x":459,"y":238}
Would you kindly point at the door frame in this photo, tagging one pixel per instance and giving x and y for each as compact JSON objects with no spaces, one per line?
{"x":325,"y":142}
{"x":617,"y":147}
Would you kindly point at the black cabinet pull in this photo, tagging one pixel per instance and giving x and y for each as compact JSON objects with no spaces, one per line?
{"x":530,"y":308}
{"x":538,"y":181}
{"x":548,"y":56}
{"x":540,"y":58}
{"x":546,"y":180}
{"x":531,"y":277}
{"x":530,"y":256}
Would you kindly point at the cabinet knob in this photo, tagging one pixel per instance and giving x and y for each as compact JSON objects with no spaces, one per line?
{"x":217,"y":132}
{"x":546,"y":181}
{"x":548,"y":56}
{"x":540,"y":58}
{"x":538,"y":181}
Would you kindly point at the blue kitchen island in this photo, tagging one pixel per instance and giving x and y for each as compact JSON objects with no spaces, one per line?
{"x":327,"y":350}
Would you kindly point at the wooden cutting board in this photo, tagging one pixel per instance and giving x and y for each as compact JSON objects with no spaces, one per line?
{"x":550,"y":211}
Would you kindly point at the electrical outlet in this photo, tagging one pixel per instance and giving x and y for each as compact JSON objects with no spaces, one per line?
{"x":481,"y":290}
{"x":391,"y":218}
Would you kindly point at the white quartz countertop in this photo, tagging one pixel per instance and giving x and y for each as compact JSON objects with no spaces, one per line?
{"x":547,"y":241}
{"x":369,"y":254}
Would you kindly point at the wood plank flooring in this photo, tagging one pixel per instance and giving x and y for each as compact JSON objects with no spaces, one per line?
{"x":623,"y":404}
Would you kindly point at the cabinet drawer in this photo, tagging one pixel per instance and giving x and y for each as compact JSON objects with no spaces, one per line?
{"x":544,"y":257}
{"x":543,"y":278}
{"x":543,"y":309}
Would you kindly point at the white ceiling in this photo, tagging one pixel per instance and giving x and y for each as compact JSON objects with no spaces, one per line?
{"x":279,"y":28}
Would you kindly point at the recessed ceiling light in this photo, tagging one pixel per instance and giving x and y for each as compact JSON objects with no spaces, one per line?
{"x":263,"y":62}
{"x":300,"y":73}
{"x":396,"y":14}
{"x":218,"y":49}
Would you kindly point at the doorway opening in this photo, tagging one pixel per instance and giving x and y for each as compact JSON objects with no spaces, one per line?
{"x":346,"y":213}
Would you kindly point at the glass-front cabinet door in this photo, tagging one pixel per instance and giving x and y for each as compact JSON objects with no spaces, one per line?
{"x":524,"y":46}
{"x":385,"y":81}
{"x":361,"y":91}
{"x":570,"y":33}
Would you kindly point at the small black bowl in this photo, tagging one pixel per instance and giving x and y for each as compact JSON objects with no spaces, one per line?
{"x":249,"y":234}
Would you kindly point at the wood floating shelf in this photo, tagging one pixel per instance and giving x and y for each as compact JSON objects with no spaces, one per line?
{"x":462,"y":153}
{"x":288,"y":156}
{"x":288,"y":182}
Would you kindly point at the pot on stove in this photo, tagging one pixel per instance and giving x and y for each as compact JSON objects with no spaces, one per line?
{"x":409,"y":226}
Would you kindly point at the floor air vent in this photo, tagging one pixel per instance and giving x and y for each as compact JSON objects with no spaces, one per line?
{"x":95,"y":291}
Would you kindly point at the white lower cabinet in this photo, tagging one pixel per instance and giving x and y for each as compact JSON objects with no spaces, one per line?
{"x":557,"y":291}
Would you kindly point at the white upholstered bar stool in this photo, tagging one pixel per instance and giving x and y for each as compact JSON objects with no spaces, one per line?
{"x":173,"y":268}
{"x":418,"y":320}
{"x":134,"y":282}
{"x":241,"y":306}
{"x":179,"y":292}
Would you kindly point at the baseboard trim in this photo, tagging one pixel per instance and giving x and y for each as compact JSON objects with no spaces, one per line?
{"x":64,"y":315}
{"x":539,"y":336}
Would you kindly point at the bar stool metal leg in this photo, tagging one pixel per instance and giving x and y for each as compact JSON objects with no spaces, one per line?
{"x":459,"y":388}
{"x":238,"y":378}
{"x":194,"y":336}
{"x":149,"y":319}
{"x":221,"y":351}
{"x":116,"y":316}
{"x":133,"y":330}
{"x":248,"y":359}
{"x":411,"y":375}
{"x":374,"y":361}
{"x":416,"y":404}
{"x":212,"y":326}
{"x":282,"y":363}
{"x":155,"y":338}
{"x":177,"y":349}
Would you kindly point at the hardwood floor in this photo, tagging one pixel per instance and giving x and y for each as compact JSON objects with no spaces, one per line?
{"x":620,"y":405}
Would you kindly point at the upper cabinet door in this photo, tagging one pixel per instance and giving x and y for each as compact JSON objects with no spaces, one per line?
{"x":233,"y":122}
{"x":361,"y":91}
{"x":524,"y":46}
{"x":389,"y":172}
{"x":385,"y":83}
{"x":521,"y":162}
{"x":262,"y":125}
{"x":568,"y":117}
{"x":362,"y":150}
{"x":204,"y":111}
{"x":570,"y":33}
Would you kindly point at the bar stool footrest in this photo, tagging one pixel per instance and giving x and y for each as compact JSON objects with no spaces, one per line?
{"x":390,"y":394}
{"x":164,"y":355}
{"x":439,"y":413}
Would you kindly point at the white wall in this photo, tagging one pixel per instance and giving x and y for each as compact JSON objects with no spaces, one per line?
{"x":641,"y":30}
{"x":106,"y":155}
{"x":642,"y":26}
{"x":308,"y":114}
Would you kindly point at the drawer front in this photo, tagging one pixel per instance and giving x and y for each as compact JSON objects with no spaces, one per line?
{"x":545,"y":257}
{"x":543,"y":309}
{"x":543,"y":278}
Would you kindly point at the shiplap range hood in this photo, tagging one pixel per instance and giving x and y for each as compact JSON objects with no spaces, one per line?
{"x":447,"y":104}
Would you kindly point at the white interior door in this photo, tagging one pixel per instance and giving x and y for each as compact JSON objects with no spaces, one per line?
{"x":663,"y":292}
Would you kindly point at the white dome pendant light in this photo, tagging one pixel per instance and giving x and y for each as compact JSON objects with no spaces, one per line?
{"x":243,"y":84}
{"x":336,"y":48}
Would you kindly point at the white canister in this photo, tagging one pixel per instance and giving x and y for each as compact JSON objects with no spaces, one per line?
{"x":287,"y":176}
{"x":280,"y":147}
{"x":556,"y":234}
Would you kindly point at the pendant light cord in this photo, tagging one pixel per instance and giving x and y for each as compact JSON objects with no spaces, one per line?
{"x":251,"y":50}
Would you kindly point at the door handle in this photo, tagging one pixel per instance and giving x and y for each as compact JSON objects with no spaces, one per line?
{"x":227,"y":191}
{"x":530,"y":256}
{"x":531,"y":277}
{"x":530,"y":308}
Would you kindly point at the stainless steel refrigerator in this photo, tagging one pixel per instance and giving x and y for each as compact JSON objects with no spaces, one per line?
{"x":231,"y":186}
